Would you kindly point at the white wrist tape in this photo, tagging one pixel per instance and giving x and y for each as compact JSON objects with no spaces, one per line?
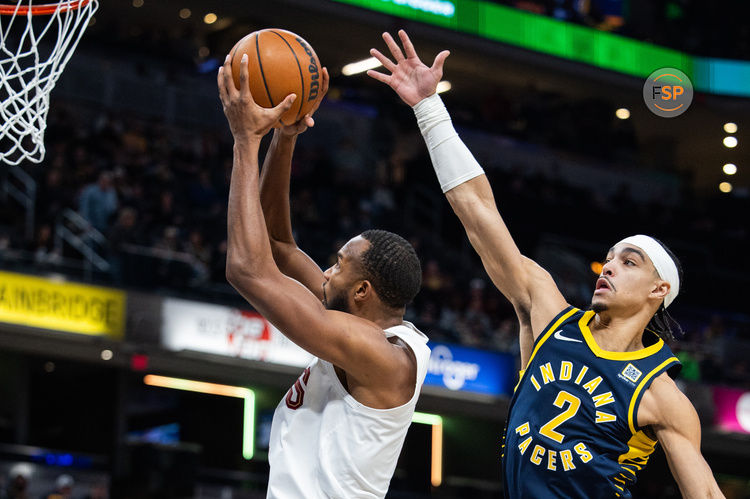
{"x":453,"y":162}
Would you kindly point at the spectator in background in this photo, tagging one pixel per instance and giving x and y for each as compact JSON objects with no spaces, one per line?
{"x":18,"y":476}
{"x":123,"y":233}
{"x":63,"y":488}
{"x":98,"y":202}
{"x":53,"y":195}
{"x":97,"y":491}
{"x":44,"y":246}
{"x":201,"y":253}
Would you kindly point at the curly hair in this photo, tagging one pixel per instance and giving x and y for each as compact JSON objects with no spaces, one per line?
{"x":392,"y":266}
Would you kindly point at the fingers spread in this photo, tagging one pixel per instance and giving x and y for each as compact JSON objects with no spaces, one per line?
{"x":286,"y":104}
{"x":229,"y":88}
{"x":393,"y":47}
{"x":379,"y":76}
{"x":387,"y":63}
{"x":440,"y":60}
{"x":245,"y":80}
{"x":408,"y":47}
{"x":221,"y":84}
{"x":325,"y":80}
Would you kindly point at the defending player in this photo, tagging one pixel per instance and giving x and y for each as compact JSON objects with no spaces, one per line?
{"x":595,"y":396}
{"x":340,"y":428}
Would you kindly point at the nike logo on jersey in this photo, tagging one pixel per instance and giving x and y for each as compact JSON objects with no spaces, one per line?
{"x":558,"y":336}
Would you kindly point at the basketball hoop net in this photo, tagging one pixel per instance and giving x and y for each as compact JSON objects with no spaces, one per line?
{"x":36,"y":42}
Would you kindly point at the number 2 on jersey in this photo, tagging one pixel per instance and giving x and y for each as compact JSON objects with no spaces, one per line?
{"x":548,"y":430}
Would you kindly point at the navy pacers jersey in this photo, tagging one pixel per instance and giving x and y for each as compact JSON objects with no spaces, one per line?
{"x":572,"y":429}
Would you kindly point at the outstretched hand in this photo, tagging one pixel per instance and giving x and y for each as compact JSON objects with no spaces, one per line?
{"x":307,"y":120}
{"x":410,"y":77}
{"x":247,"y":120}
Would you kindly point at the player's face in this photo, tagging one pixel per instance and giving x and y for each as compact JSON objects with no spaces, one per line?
{"x":340,"y":278}
{"x":627,"y":280}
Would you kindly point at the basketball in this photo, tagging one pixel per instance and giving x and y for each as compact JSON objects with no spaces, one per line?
{"x":280,"y":63}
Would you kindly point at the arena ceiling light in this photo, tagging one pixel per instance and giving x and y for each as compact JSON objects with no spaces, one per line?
{"x":623,"y":113}
{"x":248,"y":395}
{"x":730,"y":127}
{"x":730,"y":141}
{"x":210,"y":18}
{"x":725,"y":187}
{"x":730,"y":168}
{"x":354,"y":68}
{"x":444,"y":86}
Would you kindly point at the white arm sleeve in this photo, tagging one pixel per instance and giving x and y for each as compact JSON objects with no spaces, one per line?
{"x":453,"y":162}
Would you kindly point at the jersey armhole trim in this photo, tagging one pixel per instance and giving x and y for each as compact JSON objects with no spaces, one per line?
{"x":563,"y":316}
{"x":559,"y":319}
{"x":637,"y":394}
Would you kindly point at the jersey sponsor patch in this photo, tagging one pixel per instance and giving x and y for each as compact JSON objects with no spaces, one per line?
{"x":632,"y":373}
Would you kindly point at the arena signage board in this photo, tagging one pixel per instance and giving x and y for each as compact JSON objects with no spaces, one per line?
{"x":61,"y":306}
{"x":470,"y":370}
{"x":732,"y":409}
{"x":220,"y":330}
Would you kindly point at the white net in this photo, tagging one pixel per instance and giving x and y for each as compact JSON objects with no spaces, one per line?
{"x":36,"y":42}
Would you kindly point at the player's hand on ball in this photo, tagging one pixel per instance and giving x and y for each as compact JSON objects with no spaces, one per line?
{"x":247,"y":120}
{"x":410,"y":78}
{"x":307,"y":120}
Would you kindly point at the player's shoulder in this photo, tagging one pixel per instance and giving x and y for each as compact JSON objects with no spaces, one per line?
{"x":664,"y":404}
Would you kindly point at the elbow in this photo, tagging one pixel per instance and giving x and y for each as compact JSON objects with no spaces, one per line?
{"x":278,"y":247}
{"x":237,"y":272}
{"x":249,"y":280}
{"x":231,"y":272}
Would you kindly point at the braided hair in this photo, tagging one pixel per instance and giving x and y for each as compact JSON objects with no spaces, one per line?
{"x":392,"y":266}
{"x":662,"y":323}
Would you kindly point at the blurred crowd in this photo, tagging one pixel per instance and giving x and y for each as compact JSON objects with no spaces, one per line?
{"x":158,"y":194}
{"x":693,"y":26}
{"x":26,"y":481}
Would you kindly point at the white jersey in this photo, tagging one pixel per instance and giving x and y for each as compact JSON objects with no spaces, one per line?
{"x":325,"y":444}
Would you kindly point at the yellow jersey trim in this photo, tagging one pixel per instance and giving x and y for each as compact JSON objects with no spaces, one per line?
{"x":640,"y":447}
{"x":583,"y":323}
{"x":543,"y":338}
{"x":631,"y":407}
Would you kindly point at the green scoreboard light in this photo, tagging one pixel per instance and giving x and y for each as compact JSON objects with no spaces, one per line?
{"x":569,"y":41}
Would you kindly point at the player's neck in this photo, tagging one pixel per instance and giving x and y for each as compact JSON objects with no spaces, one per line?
{"x":617,"y":333}
{"x":387,"y":321}
{"x":382,"y":316}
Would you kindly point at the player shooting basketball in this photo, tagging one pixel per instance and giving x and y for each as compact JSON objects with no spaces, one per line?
{"x":595,"y":396}
{"x":340,"y":428}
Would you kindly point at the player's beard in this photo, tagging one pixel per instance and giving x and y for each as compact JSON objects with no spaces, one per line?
{"x":598,"y":307}
{"x":336,"y":301}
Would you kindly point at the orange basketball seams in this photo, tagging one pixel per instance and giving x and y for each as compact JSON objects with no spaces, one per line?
{"x":280,"y":63}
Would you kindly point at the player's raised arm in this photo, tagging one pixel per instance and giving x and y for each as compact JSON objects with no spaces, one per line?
{"x":274,"y":199}
{"x":529,"y":287}
{"x":674,"y":421}
{"x":355,"y":344}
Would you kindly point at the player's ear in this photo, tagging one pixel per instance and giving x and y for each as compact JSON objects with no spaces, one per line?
{"x":661,"y":289}
{"x":363,"y":291}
